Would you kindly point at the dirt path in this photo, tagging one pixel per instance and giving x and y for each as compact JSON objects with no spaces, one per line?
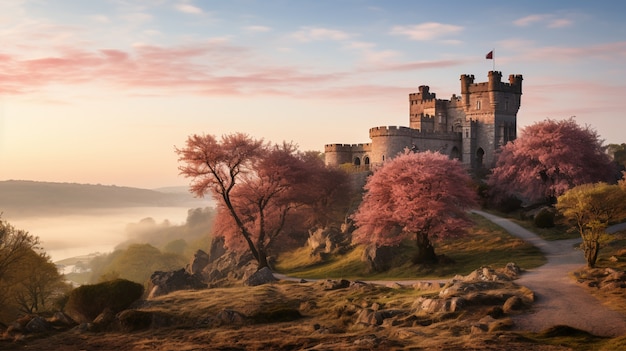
{"x":559,"y":301}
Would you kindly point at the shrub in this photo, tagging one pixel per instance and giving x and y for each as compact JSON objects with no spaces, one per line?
{"x":86,"y":302}
{"x":545,"y":218}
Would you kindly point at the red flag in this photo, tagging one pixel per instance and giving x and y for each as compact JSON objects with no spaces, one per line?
{"x":489,"y":55}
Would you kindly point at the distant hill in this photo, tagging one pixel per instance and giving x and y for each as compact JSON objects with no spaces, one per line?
{"x":25,"y":197}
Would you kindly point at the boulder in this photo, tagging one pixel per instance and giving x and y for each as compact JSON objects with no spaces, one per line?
{"x":379,"y":259}
{"x":38,"y":325}
{"x":200,"y":260}
{"x":260,"y":277}
{"x":166,"y":282}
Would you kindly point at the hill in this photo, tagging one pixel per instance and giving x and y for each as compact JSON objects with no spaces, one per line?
{"x":29,"y":197}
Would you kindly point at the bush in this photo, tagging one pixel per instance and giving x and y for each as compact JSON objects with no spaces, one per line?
{"x":86,"y":302}
{"x":545,"y":218}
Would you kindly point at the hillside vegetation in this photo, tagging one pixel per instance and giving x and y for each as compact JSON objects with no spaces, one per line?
{"x":29,"y":197}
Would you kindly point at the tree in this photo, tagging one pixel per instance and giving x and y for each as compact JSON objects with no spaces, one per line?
{"x":29,"y":281}
{"x":14,"y":244}
{"x":424,"y":195}
{"x":618,"y":153}
{"x":549,"y":158}
{"x":38,"y":283}
{"x":257,"y":187}
{"x":590,"y":208}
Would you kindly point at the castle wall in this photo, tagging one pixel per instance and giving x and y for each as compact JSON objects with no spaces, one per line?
{"x":472,"y":126}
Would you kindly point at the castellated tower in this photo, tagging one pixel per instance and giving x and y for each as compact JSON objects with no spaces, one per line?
{"x":470,"y":127}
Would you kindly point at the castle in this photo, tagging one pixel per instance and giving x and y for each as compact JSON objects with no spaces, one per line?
{"x":470,"y":127}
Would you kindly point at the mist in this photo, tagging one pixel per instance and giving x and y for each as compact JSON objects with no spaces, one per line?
{"x":95,"y":230}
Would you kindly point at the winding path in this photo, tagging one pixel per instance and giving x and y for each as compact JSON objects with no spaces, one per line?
{"x":559,"y":300}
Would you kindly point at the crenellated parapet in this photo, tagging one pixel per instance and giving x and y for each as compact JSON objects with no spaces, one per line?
{"x":346,"y":147}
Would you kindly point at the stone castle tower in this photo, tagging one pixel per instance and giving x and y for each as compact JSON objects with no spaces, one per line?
{"x":470,"y":127}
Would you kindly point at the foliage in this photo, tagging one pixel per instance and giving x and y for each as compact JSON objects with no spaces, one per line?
{"x":590,"y":208}
{"x":260,"y":189}
{"x":549,"y":158}
{"x":29,"y":281}
{"x":424,"y":195}
{"x":86,"y":302}
{"x":618,"y":152}
{"x":544,"y":218}
{"x":135,"y":263}
{"x":198,"y":225}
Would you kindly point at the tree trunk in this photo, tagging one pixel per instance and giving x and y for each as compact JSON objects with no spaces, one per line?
{"x":591,"y":248}
{"x":262,"y":259}
{"x":425,"y":250}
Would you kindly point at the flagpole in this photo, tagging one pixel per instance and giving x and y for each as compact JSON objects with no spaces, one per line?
{"x":494,"y":60}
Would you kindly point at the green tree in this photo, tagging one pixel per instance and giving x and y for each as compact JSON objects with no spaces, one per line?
{"x":37,"y":283}
{"x":29,"y":281}
{"x":590,"y":208}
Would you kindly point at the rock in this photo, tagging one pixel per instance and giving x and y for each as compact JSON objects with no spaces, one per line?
{"x":260,"y":277}
{"x":199,"y":262}
{"x":324,"y":240}
{"x":60,"y":319}
{"x":38,"y":325}
{"x":441,"y":305}
{"x":512,"y":304}
{"x":369,"y":317}
{"x":104,"y":319}
{"x":166,"y":282}
{"x":613,"y":259}
{"x":230,"y":317}
{"x":426,"y":286}
{"x":379,"y":259}
{"x":511,"y":269}
{"x":330,"y":284}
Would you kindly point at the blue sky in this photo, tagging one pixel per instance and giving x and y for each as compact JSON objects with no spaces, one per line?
{"x":102,"y":91}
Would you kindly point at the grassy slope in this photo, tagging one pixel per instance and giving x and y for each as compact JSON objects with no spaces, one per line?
{"x":485,"y":245}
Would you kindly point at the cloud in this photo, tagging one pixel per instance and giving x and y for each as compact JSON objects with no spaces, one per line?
{"x":308,"y":34}
{"x":426,"y":31}
{"x":189,"y":9}
{"x":549,"y":21}
{"x":257,"y":29}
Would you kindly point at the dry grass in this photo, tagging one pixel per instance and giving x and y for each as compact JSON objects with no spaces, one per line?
{"x":328,"y":321}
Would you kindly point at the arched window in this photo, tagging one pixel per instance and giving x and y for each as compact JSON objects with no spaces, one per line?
{"x":480,"y":154}
{"x":366,"y":160}
{"x":455,"y":153}
{"x":357,"y":161}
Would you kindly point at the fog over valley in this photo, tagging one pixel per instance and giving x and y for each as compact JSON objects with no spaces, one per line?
{"x":77,"y":219}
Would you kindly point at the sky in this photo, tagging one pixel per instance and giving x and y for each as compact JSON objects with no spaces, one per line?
{"x":102,"y":91}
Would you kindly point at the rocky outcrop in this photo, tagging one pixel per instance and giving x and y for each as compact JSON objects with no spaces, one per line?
{"x":200,"y":260}
{"x":607,"y":279}
{"x":324,"y":241}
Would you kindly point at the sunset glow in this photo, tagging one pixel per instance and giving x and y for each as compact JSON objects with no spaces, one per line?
{"x":103,"y":91}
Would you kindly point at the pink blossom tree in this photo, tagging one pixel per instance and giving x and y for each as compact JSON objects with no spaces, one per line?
{"x":423,"y":196}
{"x":549,"y":158}
{"x":258,"y":187}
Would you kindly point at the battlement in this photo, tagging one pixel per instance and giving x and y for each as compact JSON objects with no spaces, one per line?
{"x":346,"y":147}
{"x":391,"y":131}
{"x":495,"y":83}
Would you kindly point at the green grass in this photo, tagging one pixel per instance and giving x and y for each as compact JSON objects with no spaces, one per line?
{"x":485,"y":245}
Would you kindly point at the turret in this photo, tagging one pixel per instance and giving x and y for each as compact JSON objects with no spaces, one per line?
{"x":466,"y":81}
{"x":495,"y":78}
